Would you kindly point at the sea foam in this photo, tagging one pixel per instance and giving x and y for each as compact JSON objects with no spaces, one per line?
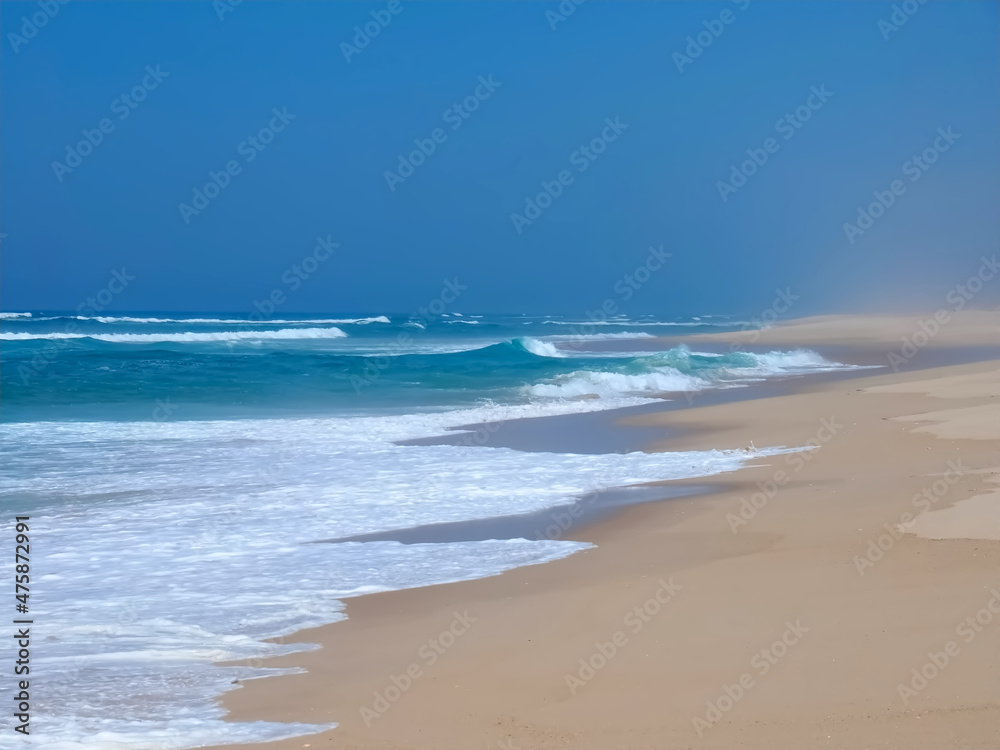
{"x":172,"y":546}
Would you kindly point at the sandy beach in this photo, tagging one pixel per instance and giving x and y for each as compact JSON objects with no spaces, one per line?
{"x":842,"y":596}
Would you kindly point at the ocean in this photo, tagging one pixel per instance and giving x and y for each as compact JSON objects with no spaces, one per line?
{"x":181,"y":471}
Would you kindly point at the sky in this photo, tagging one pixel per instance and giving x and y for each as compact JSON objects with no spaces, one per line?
{"x":308,"y":124}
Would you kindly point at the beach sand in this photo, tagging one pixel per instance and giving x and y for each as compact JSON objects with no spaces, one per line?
{"x":799,"y":620}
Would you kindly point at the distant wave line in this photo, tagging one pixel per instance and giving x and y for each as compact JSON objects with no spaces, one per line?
{"x":187,"y":337}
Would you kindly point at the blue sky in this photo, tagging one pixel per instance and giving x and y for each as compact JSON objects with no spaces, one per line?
{"x":551,"y":92}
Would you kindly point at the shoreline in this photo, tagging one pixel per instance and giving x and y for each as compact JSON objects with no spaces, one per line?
{"x":506,"y":681}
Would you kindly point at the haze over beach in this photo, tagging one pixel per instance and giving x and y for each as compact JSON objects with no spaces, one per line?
{"x":500,"y":374}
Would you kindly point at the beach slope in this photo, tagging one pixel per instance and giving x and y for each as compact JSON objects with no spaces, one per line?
{"x":843,"y":596}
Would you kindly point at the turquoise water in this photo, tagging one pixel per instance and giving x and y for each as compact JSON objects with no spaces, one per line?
{"x":216,"y":366}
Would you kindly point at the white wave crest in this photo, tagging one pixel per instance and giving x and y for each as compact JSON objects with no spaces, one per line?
{"x":693,"y":323}
{"x":147,"y":338}
{"x":592,"y":383}
{"x":221,"y":321}
{"x":12,"y":315}
{"x":797,"y":359}
{"x":675,"y":371}
{"x":540,"y":348}
{"x":601,"y":336}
